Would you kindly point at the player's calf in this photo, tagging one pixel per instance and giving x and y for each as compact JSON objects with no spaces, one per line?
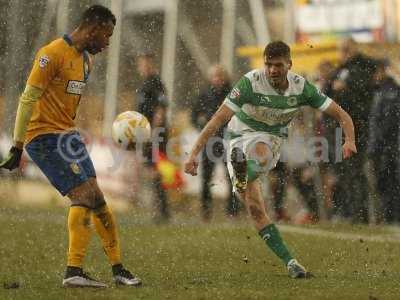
{"x":270,"y":234}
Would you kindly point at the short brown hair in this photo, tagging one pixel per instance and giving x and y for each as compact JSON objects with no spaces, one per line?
{"x":277,"y":49}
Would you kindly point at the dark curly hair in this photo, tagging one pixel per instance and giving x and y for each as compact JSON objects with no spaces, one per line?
{"x":277,"y":49}
{"x":97,"y":14}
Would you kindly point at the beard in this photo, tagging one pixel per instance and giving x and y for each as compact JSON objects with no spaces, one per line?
{"x":275,"y":81}
{"x":93,"y":48}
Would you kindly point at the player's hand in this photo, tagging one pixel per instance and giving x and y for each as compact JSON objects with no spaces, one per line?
{"x":338,"y":85}
{"x":191,"y":166}
{"x":13,"y":159}
{"x":349,"y":148}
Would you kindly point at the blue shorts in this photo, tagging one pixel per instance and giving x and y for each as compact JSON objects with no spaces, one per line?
{"x":63,"y":158}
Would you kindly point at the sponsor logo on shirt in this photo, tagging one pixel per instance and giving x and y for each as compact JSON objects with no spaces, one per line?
{"x":75,"y":87}
{"x":235,"y":93}
{"x":43,"y":61}
{"x":270,"y":116}
{"x":264,"y":100}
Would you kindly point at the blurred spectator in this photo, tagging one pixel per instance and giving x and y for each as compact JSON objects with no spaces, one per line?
{"x":383,"y":146}
{"x":326,"y":128}
{"x":210,"y":98}
{"x":324,"y":74}
{"x":352,"y":87}
{"x":278,"y":180}
{"x":294,"y":168}
{"x":301,"y":177}
{"x":152,"y":103}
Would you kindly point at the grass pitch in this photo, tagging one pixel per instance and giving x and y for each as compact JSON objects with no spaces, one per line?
{"x":221,"y":260}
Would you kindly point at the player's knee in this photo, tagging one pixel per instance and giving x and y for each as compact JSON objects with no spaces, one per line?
{"x":261,"y":153}
{"x":83,"y":201}
{"x":254,"y":169}
{"x":99,"y":201}
{"x":83,"y":195}
{"x":89,"y":200}
{"x":258,"y":159}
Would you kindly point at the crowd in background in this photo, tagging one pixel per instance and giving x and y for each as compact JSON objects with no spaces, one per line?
{"x":363,"y":86}
{"x":342,"y":190}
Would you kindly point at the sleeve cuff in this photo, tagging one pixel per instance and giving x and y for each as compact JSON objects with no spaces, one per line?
{"x":326,"y":104}
{"x":231,"y":105}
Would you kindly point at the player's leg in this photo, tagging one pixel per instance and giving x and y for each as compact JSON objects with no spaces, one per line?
{"x":79,"y":220}
{"x":207,"y":168}
{"x":106,"y":227}
{"x":261,"y":159}
{"x":278,"y":190}
{"x":257,"y":159}
{"x":82,"y":196}
{"x":79,"y":232}
{"x":104,"y":222}
{"x":161,"y":193}
{"x":161,"y":197}
{"x":266,"y":229}
{"x":233,"y":205}
{"x":103,"y":219}
{"x":50,"y":154}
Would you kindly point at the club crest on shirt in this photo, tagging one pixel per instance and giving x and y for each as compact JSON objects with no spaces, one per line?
{"x":75,"y":168}
{"x":43,"y":61}
{"x":235,"y":93}
{"x":292,"y":101}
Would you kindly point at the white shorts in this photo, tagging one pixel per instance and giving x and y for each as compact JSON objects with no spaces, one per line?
{"x":246,"y":143}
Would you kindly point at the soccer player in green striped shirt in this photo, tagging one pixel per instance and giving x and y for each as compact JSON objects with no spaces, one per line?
{"x":259,"y":109}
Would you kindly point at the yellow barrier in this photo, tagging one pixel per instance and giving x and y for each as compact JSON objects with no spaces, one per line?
{"x":307,"y":57}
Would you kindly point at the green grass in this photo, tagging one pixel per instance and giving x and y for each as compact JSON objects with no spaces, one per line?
{"x":193,"y":261}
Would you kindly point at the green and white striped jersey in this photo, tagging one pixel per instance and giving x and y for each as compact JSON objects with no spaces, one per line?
{"x":259,"y":107}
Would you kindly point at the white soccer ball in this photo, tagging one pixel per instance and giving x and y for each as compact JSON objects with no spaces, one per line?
{"x":131,"y":128}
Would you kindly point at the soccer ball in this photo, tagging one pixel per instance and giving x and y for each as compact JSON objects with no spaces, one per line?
{"x":130,"y":128}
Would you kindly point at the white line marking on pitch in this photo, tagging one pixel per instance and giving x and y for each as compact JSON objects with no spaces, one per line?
{"x":380,"y":238}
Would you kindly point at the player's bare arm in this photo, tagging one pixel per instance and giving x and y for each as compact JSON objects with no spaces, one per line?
{"x":345,"y":121}
{"x":222,"y":116}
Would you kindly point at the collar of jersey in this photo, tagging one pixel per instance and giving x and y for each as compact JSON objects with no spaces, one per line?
{"x":67,"y":39}
{"x":278,"y":92}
